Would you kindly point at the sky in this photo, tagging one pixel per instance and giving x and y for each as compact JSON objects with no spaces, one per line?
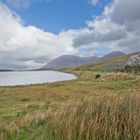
{"x":33,"y":32}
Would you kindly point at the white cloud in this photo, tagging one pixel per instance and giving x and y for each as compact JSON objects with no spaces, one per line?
{"x":94,"y":2}
{"x":116,"y":29}
{"x":20,"y":45}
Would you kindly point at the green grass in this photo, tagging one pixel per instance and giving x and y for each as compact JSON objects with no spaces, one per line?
{"x":107,"y":108}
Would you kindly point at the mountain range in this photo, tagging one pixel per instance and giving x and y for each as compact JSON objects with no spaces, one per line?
{"x":66,"y":61}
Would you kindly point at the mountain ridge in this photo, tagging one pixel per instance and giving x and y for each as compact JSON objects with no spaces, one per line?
{"x":66,"y":61}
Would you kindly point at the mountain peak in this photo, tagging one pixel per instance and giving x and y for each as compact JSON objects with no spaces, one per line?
{"x":113,"y":54}
{"x":66,"y":61}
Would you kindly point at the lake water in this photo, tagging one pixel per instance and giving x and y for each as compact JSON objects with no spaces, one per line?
{"x":32,"y":77}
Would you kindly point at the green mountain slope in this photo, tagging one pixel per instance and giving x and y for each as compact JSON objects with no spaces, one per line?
{"x":108,"y":65}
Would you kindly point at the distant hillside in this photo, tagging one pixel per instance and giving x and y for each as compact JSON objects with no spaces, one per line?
{"x":67,"y":61}
{"x":112,"y":55}
{"x":5,"y":70}
{"x":106,"y":65}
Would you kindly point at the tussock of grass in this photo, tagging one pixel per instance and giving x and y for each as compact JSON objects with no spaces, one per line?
{"x":103,"y":117}
{"x":117,"y":76}
{"x":114,"y":117}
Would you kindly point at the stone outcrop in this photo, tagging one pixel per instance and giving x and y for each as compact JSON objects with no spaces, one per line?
{"x":134,"y":60}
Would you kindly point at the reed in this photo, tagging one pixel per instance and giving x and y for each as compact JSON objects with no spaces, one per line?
{"x":101,"y":117}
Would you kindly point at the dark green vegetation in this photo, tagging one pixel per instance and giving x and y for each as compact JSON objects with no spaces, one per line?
{"x":133,"y":69}
{"x":96,"y":106}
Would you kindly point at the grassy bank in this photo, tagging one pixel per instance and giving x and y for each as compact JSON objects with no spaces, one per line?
{"x":104,"y":107}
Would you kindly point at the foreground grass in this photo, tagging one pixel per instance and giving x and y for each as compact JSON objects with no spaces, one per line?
{"x":107,"y":108}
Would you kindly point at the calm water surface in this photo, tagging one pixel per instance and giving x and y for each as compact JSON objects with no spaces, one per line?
{"x":32,"y":77}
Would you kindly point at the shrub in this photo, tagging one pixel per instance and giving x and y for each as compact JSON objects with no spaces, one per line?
{"x":24,"y":99}
{"x":97,"y":76}
{"x":132,"y":69}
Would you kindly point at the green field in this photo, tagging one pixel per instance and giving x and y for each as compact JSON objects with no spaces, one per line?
{"x":102,"y":106}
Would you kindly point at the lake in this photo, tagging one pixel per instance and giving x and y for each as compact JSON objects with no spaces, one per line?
{"x":32,"y":77}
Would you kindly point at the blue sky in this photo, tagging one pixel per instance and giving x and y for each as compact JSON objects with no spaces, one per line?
{"x":57,"y":15}
{"x":33,"y":32}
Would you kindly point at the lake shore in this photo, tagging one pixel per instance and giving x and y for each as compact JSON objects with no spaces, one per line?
{"x":21,"y":78}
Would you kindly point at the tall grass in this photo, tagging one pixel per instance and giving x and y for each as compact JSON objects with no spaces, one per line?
{"x":107,"y":117}
{"x":98,"y":117}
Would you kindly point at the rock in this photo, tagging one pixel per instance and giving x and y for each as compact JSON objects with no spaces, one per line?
{"x":134,"y":60}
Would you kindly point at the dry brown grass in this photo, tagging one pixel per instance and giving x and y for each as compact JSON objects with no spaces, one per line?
{"x":115,"y":76}
{"x":104,"y":117}
{"x":100,"y":117}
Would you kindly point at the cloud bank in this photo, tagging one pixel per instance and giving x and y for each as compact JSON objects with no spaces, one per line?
{"x":117,"y":28}
{"x":26,"y":47}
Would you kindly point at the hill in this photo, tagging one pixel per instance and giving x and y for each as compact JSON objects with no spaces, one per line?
{"x":115,"y":64}
{"x":112,"y":55}
{"x":67,"y":61}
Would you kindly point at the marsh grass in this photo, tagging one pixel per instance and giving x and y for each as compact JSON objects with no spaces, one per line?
{"x":100,"y":118}
{"x":113,"y":117}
